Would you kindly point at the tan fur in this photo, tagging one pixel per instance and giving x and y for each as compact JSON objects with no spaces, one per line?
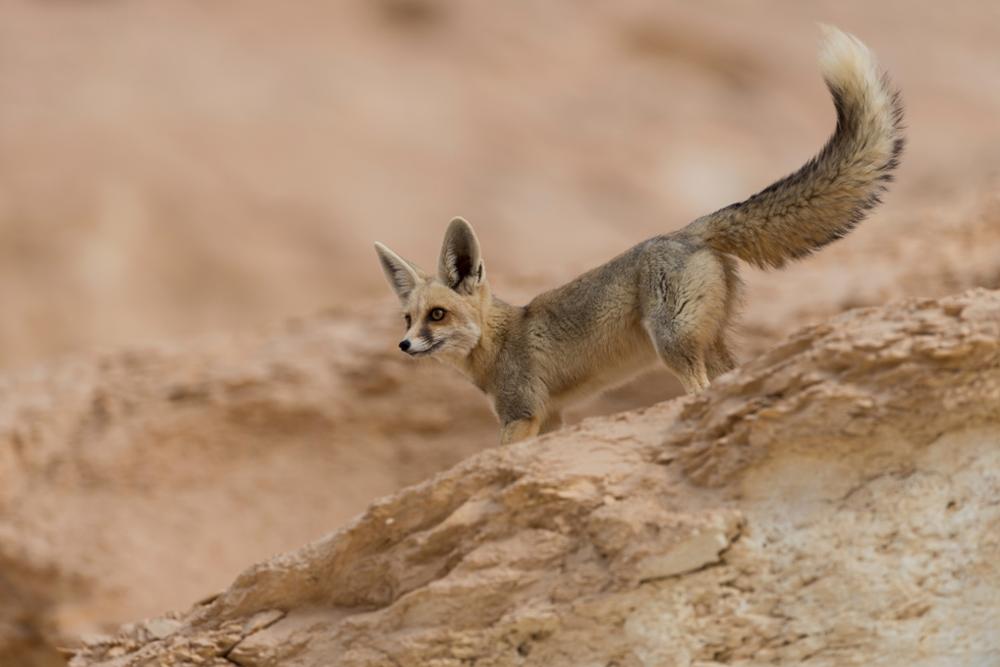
{"x":672,"y":297}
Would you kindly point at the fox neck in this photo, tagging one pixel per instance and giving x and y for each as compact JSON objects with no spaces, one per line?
{"x":480,"y":364}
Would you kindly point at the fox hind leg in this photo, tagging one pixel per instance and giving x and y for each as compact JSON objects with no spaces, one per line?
{"x":519,"y":429}
{"x":685,"y":308}
{"x":553,"y":422}
{"x":681,"y":353}
{"x":719,"y":359}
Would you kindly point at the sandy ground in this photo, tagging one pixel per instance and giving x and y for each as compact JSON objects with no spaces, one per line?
{"x":173,"y":172}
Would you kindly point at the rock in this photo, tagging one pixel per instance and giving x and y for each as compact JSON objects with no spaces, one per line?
{"x":162,"y":627}
{"x":832,"y":502}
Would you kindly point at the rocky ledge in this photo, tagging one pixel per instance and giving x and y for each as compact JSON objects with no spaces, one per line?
{"x":834,"y":501}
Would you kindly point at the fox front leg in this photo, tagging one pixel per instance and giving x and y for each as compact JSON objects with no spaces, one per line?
{"x":521,"y":404}
{"x":519,"y":429}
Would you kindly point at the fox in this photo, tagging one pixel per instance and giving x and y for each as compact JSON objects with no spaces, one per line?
{"x":672,"y":298}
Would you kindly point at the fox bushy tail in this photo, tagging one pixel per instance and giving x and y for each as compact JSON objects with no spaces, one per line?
{"x":830,"y":194}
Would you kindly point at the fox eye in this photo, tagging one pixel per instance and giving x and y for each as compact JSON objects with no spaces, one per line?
{"x":437,"y":314}
{"x":409,"y":321}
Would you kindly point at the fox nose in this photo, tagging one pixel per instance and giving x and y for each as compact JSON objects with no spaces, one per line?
{"x":405,"y":345}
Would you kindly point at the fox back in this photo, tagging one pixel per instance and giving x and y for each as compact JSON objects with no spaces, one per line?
{"x":672,"y":297}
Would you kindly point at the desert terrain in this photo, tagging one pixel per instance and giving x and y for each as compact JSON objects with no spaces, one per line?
{"x":198,"y":363}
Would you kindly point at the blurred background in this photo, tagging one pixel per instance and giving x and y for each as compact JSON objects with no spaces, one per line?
{"x":169,"y":169}
{"x":173,"y":175}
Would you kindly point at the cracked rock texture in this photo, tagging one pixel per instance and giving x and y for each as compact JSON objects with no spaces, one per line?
{"x":833,"y":502}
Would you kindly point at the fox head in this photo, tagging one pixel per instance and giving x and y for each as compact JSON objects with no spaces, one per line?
{"x":444,"y":314}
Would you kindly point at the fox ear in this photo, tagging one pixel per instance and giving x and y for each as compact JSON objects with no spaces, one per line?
{"x":461,"y":266}
{"x":402,"y":275}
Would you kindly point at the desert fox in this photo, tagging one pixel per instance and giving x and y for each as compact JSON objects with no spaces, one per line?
{"x":672,"y":297}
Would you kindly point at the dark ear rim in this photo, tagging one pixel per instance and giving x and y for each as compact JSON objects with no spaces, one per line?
{"x":460,"y":265}
{"x":403,"y":276}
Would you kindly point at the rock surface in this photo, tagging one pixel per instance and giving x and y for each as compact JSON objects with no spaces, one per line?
{"x":833,"y":502}
{"x":153,"y":475}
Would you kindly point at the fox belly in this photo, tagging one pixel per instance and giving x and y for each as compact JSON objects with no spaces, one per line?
{"x":598,"y":370}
